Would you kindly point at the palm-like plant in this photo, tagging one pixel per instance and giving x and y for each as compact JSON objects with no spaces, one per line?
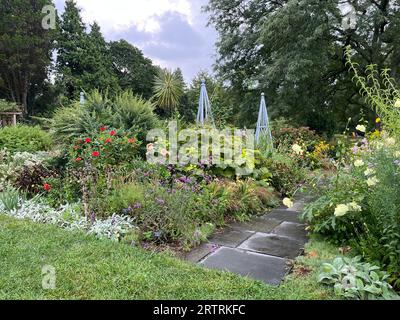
{"x":168,"y":90}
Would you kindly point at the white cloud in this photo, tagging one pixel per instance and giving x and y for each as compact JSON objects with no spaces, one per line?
{"x":121,"y":14}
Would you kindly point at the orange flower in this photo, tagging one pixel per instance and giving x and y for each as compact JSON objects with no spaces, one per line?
{"x":133,"y":140}
{"x":108,"y":140}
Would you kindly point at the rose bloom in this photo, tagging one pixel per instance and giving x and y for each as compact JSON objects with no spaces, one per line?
{"x":88,"y":140}
{"x":78,"y":159}
{"x":133,"y":140}
{"x":95,"y":154}
{"x":103,"y":129}
{"x":108,"y":140}
{"x":47,"y":187}
{"x":113,"y":133}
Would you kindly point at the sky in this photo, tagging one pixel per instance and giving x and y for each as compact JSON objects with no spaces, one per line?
{"x":173,"y":33}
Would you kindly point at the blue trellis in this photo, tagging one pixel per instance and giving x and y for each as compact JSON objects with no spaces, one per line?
{"x":204,"y":113}
{"x":263,"y":131}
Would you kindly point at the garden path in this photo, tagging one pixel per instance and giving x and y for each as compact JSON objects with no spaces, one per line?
{"x":261,"y":249}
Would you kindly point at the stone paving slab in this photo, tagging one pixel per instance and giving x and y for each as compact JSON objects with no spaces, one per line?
{"x":231,"y":237}
{"x":261,"y":224}
{"x":200,"y":252}
{"x":273,"y":245}
{"x":254,"y":265}
{"x":283,"y":215}
{"x":292,"y":230}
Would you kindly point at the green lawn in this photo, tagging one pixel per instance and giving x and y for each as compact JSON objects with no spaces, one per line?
{"x":88,"y":268}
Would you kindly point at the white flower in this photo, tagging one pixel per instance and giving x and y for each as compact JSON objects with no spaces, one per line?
{"x":288,"y":202}
{"x":358,"y":163}
{"x":361,"y":128}
{"x":354,"y":206}
{"x":372,"y":181}
{"x":369,"y":172}
{"x":297,"y":149}
{"x":397,"y":103}
{"x":397,"y":154}
{"x":341,"y":210}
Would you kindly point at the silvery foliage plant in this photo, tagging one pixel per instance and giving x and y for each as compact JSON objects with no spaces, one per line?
{"x":354,"y":279}
{"x":69,"y":217}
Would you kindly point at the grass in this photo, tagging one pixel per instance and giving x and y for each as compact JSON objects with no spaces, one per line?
{"x":88,"y":268}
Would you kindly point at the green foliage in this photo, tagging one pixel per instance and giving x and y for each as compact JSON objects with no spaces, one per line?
{"x":84,"y":61}
{"x":9,"y":197}
{"x":380,"y":91}
{"x":168,"y":90}
{"x":24,"y":138}
{"x":293,"y":51}
{"x":353,"y":279}
{"x":360,"y":206}
{"x":134,"y":71}
{"x":6,"y":106}
{"x":25,"y":50}
{"x":125,"y":111}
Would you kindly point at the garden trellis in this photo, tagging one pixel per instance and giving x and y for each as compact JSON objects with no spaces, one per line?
{"x":263,"y":131}
{"x":204,"y":113}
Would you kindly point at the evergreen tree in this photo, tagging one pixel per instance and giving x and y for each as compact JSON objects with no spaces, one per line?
{"x":25,"y":50}
{"x":83,"y":61}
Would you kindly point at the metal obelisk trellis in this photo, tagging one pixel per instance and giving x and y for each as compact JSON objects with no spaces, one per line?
{"x":263,"y":131}
{"x":204,"y":114}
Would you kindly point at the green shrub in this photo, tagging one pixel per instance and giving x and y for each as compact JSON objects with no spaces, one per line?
{"x":125,"y":111}
{"x":7,"y":106}
{"x":360,"y":206}
{"x":24,"y":138}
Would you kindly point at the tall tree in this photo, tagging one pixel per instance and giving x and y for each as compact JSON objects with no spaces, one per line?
{"x":134,"y":71}
{"x":71,"y":50}
{"x":98,"y":72}
{"x":25,"y":49}
{"x":294,"y":51}
{"x":83,"y":61}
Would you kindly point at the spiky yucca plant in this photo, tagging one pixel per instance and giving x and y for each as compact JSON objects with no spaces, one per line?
{"x":168,"y":90}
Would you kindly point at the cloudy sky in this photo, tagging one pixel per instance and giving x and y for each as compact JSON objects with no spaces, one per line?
{"x":172,"y":33}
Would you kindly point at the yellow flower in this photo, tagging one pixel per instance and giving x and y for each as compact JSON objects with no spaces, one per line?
{"x":341,"y":210}
{"x":397,"y":103}
{"x":372,"y":181}
{"x":369,"y":172}
{"x":358,"y":163}
{"x":288,"y":202}
{"x":297,"y":149}
{"x":378,"y":120}
{"x":361,"y":128}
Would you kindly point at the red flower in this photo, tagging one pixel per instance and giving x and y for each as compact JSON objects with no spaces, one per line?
{"x":96,"y":154}
{"x":88,"y":140}
{"x":108,"y":140}
{"x":133,"y":140}
{"x":78,"y":159}
{"x":103,"y":129}
{"x":113,"y":133}
{"x":47,"y":187}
